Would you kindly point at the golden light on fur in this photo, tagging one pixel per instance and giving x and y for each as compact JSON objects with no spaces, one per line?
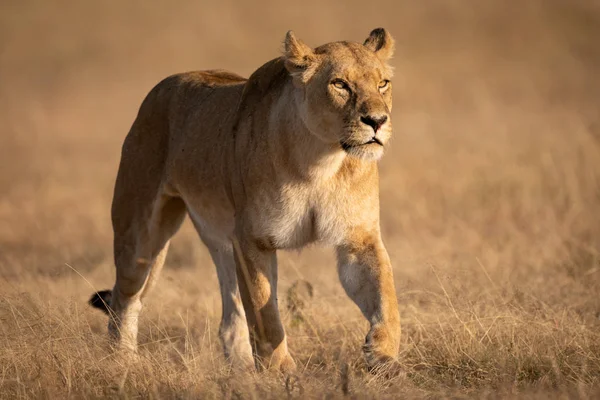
{"x":488,"y":193}
{"x":318,"y":146}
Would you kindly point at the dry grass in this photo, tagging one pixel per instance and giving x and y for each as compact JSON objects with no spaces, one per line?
{"x":490,"y":201}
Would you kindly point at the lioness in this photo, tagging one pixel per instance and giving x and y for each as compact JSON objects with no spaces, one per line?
{"x":277,"y":161}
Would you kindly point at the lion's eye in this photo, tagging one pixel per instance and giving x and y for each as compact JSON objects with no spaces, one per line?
{"x":340,"y":84}
{"x":384,"y":84}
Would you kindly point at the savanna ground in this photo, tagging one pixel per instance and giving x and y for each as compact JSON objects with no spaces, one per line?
{"x":490,"y":201}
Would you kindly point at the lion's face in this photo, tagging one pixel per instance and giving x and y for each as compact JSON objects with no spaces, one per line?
{"x":346,"y":92}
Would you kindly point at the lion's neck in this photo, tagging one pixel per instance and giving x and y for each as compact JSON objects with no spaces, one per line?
{"x":304,"y":154}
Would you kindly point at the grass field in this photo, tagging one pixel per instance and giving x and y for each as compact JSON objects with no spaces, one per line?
{"x":490,"y":196}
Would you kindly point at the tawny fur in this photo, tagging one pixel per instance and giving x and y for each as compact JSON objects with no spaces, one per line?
{"x":277,"y":161}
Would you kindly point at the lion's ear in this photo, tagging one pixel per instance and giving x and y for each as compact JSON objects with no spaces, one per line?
{"x":300,"y":60}
{"x":381,"y":42}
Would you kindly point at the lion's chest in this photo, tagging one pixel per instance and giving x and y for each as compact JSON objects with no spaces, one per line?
{"x":296,"y":218}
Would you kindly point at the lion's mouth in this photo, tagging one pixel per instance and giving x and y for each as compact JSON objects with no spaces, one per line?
{"x":347,"y":146}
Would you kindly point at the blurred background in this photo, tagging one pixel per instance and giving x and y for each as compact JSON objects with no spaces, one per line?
{"x":490,"y":186}
{"x":495,"y":148}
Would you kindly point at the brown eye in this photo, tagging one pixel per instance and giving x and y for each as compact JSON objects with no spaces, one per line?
{"x":340,"y":84}
{"x":383,"y":85}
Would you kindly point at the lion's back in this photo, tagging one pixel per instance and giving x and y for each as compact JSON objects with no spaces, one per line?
{"x":211,"y":78}
{"x":185,"y":118}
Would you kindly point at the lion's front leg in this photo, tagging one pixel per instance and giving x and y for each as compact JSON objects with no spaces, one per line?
{"x":257,"y":280}
{"x":366,"y":274}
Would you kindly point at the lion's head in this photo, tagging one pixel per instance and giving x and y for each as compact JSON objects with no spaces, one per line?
{"x":344,"y":91}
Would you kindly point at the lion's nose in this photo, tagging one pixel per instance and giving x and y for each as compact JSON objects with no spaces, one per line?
{"x":373,"y":121}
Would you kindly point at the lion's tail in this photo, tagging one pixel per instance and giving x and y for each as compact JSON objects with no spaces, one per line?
{"x":101,"y":300}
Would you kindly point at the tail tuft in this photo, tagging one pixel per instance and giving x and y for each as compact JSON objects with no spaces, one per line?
{"x":101,"y":300}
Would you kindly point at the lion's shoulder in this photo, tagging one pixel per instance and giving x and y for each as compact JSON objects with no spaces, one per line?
{"x":266,"y":79}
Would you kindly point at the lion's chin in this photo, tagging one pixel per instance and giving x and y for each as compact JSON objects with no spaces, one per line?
{"x":367,"y":152}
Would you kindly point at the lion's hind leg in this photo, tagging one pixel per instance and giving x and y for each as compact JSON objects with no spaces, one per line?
{"x":140,"y":252}
{"x":233,"y":330}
